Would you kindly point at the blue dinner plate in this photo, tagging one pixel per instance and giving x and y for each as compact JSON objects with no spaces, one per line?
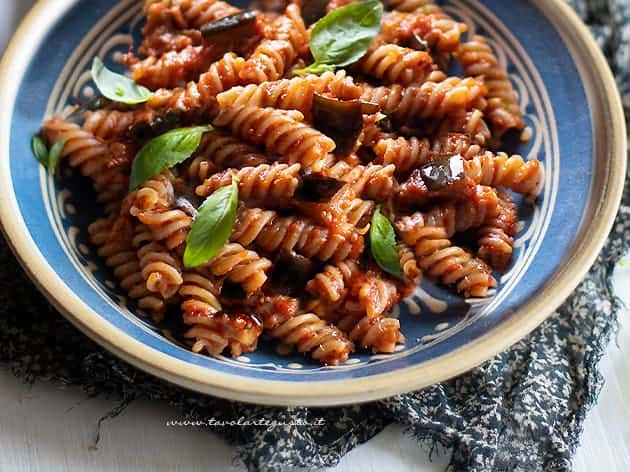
{"x":577,"y":131}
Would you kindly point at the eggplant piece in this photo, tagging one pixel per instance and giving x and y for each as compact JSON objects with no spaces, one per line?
{"x":418,"y":43}
{"x":291,"y":273}
{"x":186,"y":206}
{"x":144,"y":131}
{"x":313,"y":10}
{"x":439,"y":179}
{"x":317,"y":188}
{"x":444,"y":173}
{"x":369,"y":108}
{"x":386,"y":124}
{"x":341,"y":120}
{"x":228,"y":23}
{"x":233,"y":291}
{"x":366,"y":154}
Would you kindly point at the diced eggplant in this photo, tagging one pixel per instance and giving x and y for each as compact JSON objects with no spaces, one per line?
{"x":291,"y":273}
{"x":313,"y":10}
{"x":341,"y":120}
{"x":418,"y":43}
{"x":228,"y":23}
{"x":317,"y":188}
{"x":444,"y":173}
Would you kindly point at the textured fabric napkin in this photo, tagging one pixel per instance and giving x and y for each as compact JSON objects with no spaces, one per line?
{"x":523,"y":410}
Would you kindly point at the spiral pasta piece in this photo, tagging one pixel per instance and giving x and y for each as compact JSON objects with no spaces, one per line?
{"x":503,"y":109}
{"x":212,"y":330}
{"x":429,"y":100}
{"x":441,"y":32}
{"x":91,"y":156}
{"x":172,"y":69}
{"x":291,"y":94}
{"x":270,"y":61}
{"x":470,"y":123}
{"x":186,"y":14}
{"x":396,"y":64}
{"x":408,"y":264}
{"x":404,"y":153}
{"x":241,"y":266}
{"x":121,"y":257}
{"x":456,"y":217}
{"x":200,"y":97}
{"x":160,"y":269}
{"x":162,"y":38}
{"x":113,"y":124}
{"x":374,"y":182}
{"x":214,"y":334}
{"x":332,"y":284}
{"x":496,"y":237}
{"x":272,"y":233}
{"x":273,"y":310}
{"x":375,"y":294}
{"x":359,"y":214}
{"x":272,"y":57}
{"x":275,"y":183}
{"x":439,"y":258}
{"x":154,"y":205}
{"x":380,"y":334}
{"x":280,"y":133}
{"x":451,"y":144}
{"x":310,"y":334}
{"x":512,"y":172}
{"x":220,"y":151}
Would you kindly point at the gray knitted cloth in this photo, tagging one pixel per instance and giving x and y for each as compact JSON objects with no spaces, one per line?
{"x":523,"y":410}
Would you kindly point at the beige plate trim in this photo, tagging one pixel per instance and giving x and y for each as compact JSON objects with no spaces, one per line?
{"x":607,"y":190}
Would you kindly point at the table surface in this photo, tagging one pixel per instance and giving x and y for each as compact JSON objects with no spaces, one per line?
{"x":45,"y":428}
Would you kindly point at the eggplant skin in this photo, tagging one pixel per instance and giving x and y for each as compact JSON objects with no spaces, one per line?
{"x":341,"y":120}
{"x":317,"y":188}
{"x":228,"y":23}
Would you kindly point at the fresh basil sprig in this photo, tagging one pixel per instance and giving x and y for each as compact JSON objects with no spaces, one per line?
{"x":383,"y":244}
{"x":213,"y":226}
{"x":117,"y":87}
{"x":49,"y":159}
{"x":165,"y":151}
{"x":343,"y":36}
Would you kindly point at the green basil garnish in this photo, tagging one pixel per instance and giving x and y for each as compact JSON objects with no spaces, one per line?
{"x":165,"y":151}
{"x":40,"y":150}
{"x":343,"y":36}
{"x":55,"y":155}
{"x":383,"y":244}
{"x":49,"y":159}
{"x":117,"y":87}
{"x":212,"y":227}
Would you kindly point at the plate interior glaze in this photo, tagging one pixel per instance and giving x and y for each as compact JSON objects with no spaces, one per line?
{"x":558,"y":109}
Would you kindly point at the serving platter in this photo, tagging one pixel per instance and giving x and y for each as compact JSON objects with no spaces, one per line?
{"x":577,"y":130}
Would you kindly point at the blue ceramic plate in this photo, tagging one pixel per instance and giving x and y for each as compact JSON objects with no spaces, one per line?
{"x":571,"y":106}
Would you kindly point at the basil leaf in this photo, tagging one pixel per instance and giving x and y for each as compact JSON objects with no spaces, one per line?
{"x":55,"y":155}
{"x":165,"y":151}
{"x":117,"y":87}
{"x":49,"y":159}
{"x":212,"y":227}
{"x":383,"y":244}
{"x":344,"y":36}
{"x":40,"y":150}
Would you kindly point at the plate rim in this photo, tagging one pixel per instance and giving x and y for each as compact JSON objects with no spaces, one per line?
{"x":44,"y":15}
